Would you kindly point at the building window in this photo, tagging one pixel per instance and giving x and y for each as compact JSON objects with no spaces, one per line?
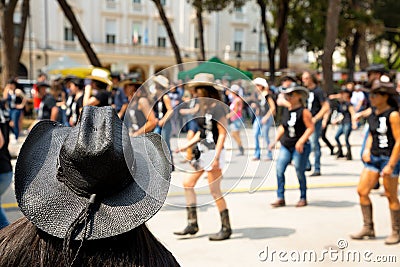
{"x":136,"y":33}
{"x":238,"y":40}
{"x":162,"y":36}
{"x":111,"y":4}
{"x":239,"y":9}
{"x":162,"y":42}
{"x":163,"y":2}
{"x":136,"y":1}
{"x":111,"y":31}
{"x":110,"y":38}
{"x":68,"y":34}
{"x":196,"y":42}
{"x":237,"y":46}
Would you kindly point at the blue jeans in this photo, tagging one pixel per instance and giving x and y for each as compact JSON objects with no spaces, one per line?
{"x":5,"y":180}
{"x":165,"y":133}
{"x":344,"y":128}
{"x":285,"y":157}
{"x":316,"y":147}
{"x":15,"y":114}
{"x":263,"y":130}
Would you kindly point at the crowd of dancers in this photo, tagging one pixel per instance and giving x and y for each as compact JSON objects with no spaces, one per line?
{"x":206,"y":109}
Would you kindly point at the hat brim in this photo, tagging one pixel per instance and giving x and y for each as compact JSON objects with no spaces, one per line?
{"x":100,"y":79}
{"x":202,"y":83}
{"x":385,"y":90}
{"x":123,"y":83}
{"x":302,"y":91}
{"x":53,"y":207}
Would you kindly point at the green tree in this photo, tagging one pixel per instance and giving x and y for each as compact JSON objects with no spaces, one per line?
{"x":388,"y":12}
{"x":211,"y":6}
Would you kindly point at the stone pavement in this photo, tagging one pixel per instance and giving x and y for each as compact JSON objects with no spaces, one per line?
{"x":314,"y":235}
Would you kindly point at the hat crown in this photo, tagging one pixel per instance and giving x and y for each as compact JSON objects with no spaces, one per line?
{"x":204,"y":77}
{"x":261,"y":81}
{"x":91,"y":159}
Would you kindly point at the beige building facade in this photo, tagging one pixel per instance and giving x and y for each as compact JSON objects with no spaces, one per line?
{"x":129,"y":36}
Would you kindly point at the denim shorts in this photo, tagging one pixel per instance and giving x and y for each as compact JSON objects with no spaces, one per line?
{"x":236,"y":125}
{"x":377,"y":164}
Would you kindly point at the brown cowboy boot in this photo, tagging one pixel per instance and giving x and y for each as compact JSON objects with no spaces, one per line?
{"x":368,"y":229}
{"x":192,"y":226}
{"x":225,"y":231}
{"x":394,"y":238}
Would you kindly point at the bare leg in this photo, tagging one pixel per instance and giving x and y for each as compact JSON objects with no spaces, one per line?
{"x":391,"y":185}
{"x":368,"y":179}
{"x":189,"y":183}
{"x":214,"y":182}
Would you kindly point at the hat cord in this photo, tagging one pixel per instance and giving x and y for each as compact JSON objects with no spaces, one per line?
{"x":82,"y":217}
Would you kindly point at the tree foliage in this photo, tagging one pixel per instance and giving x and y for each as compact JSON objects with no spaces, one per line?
{"x":387,"y":11}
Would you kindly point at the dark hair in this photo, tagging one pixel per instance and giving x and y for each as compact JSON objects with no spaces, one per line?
{"x":23,"y":244}
{"x":212,"y":92}
{"x":100,"y":85}
{"x":392,"y":101}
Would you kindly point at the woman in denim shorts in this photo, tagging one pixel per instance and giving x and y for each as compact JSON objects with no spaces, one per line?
{"x":381,"y":158}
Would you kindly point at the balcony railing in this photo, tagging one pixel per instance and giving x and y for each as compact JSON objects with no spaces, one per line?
{"x":154,"y":51}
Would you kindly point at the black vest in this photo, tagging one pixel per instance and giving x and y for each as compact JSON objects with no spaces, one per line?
{"x":382,"y":135}
{"x":292,"y":122}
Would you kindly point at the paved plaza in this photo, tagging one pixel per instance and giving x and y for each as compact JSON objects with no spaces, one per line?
{"x":264,"y":236}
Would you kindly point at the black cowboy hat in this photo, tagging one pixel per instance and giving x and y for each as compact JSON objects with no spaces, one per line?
{"x":384,"y":88}
{"x":61,"y":172}
{"x":302,"y":90}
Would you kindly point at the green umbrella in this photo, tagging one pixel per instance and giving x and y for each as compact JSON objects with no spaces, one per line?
{"x":219,"y":69}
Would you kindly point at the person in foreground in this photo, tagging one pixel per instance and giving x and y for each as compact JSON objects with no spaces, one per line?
{"x":381,"y":158}
{"x":293,"y":133}
{"x":86,"y":193}
{"x":209,"y":141}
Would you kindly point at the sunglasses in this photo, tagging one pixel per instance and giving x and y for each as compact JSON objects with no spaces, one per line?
{"x":289,"y":94}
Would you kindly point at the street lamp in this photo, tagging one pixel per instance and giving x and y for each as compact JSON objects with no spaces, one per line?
{"x":238,"y":58}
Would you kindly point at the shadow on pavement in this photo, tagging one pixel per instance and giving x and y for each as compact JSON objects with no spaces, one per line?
{"x":332,"y":204}
{"x":261,"y":232}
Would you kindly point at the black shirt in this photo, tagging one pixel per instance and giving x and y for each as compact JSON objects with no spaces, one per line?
{"x":292,"y":122}
{"x":47,"y":103}
{"x":315,"y":99}
{"x":208,"y":123}
{"x":382,"y":136}
{"x":5,"y":157}
{"x":344,"y":109}
{"x":160,"y":108}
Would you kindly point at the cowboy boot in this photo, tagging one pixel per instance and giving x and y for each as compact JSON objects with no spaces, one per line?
{"x":348,"y":155}
{"x":225,"y":231}
{"x":394,"y":238}
{"x":192,"y":226}
{"x":339,"y":152}
{"x":368,"y":228}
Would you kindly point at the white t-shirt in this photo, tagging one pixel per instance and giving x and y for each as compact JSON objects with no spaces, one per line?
{"x":356,"y":97}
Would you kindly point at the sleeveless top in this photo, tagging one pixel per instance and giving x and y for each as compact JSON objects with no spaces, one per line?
{"x":136,"y":118}
{"x":13,"y":100}
{"x":160,"y":108}
{"x":208,"y":124}
{"x":382,"y":136}
{"x":292,"y":122}
{"x":238,"y":115}
{"x":264,"y":105}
